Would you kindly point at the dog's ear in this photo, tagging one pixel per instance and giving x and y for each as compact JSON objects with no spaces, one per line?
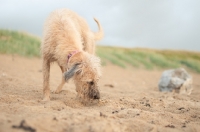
{"x":70,"y":73}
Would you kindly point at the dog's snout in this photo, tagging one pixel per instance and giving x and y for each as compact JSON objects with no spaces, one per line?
{"x":94,"y":94}
{"x":97,"y":96}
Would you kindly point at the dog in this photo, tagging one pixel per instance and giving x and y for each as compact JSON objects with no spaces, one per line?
{"x":68,"y":40}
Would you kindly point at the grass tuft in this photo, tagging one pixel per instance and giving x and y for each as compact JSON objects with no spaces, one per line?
{"x":192,"y":64}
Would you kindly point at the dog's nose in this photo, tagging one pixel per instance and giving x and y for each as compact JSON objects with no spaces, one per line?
{"x":97,"y":96}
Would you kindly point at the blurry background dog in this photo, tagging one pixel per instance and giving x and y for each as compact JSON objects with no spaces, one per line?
{"x":69,"y":41}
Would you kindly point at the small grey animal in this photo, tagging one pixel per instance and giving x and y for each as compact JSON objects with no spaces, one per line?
{"x":177,"y":80}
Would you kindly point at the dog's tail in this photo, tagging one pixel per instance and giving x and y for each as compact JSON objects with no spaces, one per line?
{"x":98,"y":35}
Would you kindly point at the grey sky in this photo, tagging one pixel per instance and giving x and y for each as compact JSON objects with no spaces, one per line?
{"x":161,"y":24}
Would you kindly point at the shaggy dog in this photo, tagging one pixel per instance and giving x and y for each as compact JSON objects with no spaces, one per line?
{"x":69,"y":41}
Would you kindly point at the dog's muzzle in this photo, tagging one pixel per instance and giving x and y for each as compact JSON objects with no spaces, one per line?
{"x":94,"y":94}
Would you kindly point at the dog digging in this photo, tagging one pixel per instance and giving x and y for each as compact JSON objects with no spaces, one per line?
{"x":68,"y":41}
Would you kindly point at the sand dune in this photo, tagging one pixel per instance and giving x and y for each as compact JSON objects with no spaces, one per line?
{"x":130,"y":101}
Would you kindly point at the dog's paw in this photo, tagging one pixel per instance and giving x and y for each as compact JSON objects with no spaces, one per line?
{"x":56,"y":91}
{"x":45,"y":99}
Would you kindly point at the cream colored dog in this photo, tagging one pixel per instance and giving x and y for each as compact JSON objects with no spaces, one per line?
{"x":69,"y":41}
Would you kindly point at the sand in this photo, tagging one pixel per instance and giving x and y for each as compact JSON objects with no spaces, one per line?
{"x":130,"y":101}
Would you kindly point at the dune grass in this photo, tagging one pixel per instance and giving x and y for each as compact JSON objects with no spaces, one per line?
{"x":12,"y":42}
{"x":149,"y":58}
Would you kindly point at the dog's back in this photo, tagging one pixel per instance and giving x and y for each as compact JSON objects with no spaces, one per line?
{"x":66,"y":31}
{"x":61,"y":28}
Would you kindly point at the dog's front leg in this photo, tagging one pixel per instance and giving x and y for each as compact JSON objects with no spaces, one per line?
{"x":46,"y":74}
{"x":62,"y":82}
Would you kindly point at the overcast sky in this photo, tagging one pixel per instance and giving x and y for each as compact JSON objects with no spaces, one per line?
{"x":161,"y":24}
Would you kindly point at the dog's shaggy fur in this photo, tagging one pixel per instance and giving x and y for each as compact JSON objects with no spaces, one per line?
{"x":64,"y":33}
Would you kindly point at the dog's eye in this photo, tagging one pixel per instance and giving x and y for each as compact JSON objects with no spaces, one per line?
{"x":91,"y":83}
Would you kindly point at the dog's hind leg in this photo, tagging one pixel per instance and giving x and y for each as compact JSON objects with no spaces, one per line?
{"x":46,"y":74}
{"x":89,"y":45}
{"x":59,"y":88}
